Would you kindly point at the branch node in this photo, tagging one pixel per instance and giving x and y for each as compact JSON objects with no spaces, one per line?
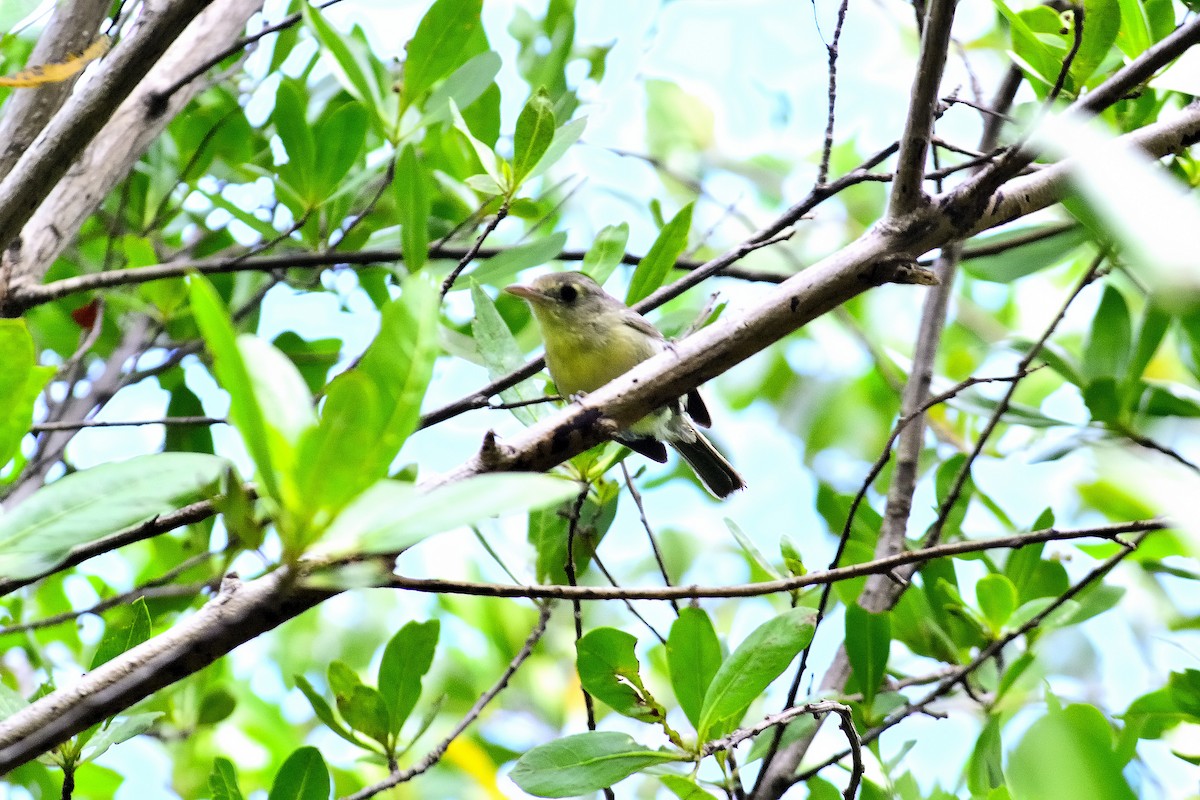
{"x":903,"y":270}
{"x":492,"y":454}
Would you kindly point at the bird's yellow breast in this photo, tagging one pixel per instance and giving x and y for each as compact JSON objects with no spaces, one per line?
{"x":582,"y":358}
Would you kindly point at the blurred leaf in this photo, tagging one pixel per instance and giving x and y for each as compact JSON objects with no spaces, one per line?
{"x":584,"y":763}
{"x":1067,"y":753}
{"x":997,"y":599}
{"x":119,"y":730}
{"x":1134,"y":37}
{"x":501,"y":354}
{"x":223,"y":782}
{"x":654,"y":267}
{"x":303,"y":776}
{"x":676,"y":122}
{"x":84,"y":506}
{"x":439,"y":45}
{"x":464,"y":86}
{"x":565,"y":136}
{"x":751,"y":668}
{"x":501,"y":268}
{"x":606,"y":252}
{"x":868,"y":641}
{"x":291,"y":123}
{"x":693,"y":658}
{"x":1017,"y":262}
{"x":392,"y":516}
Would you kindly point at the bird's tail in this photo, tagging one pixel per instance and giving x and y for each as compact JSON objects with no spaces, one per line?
{"x":717,"y":474}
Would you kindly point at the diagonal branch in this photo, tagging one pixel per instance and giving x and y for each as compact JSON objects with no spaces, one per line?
{"x":48,"y":202}
{"x":86,"y":112}
{"x":907,"y":194}
{"x":72,"y":27}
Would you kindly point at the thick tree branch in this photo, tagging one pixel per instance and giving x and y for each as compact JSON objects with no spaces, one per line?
{"x":240,"y":612}
{"x":87,"y":111}
{"x":51,"y":200}
{"x":72,"y":28}
{"x":907,"y":193}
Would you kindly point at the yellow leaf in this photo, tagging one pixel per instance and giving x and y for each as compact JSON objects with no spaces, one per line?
{"x":58,"y":72}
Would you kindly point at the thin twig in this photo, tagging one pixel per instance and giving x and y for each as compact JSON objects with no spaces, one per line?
{"x":41,"y":427}
{"x":658,"y":556}
{"x":470,"y":255}
{"x":782,"y":585}
{"x":832,"y":48}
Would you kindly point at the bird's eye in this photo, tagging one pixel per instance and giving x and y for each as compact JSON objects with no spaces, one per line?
{"x":568,"y":293}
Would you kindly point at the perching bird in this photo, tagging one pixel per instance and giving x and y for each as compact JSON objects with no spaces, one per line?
{"x":591,"y":338}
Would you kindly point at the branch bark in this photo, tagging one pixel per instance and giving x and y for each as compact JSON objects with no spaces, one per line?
{"x":87,"y":111}
{"x":72,"y":28}
{"x":907,"y":194}
{"x":93,"y":142}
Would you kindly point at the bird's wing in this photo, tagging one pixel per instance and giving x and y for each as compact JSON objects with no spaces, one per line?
{"x":640,"y":323}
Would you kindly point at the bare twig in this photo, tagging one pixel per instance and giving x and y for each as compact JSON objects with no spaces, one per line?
{"x":832,"y":48}
{"x":470,"y":255}
{"x":784,"y":585}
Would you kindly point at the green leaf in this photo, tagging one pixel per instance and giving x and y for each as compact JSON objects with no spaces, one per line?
{"x":464,"y":86}
{"x":751,"y":668}
{"x":1153,"y":328}
{"x":118,"y":639}
{"x":1067,"y":753}
{"x":868,"y":640}
{"x":82,"y":507}
{"x":324,"y":711}
{"x":997,"y":599}
{"x":366,"y":711}
{"x":501,"y":268}
{"x":223,"y":782}
{"x":351,"y":64}
{"x":693,"y":658}
{"x":501,"y":354}
{"x":1134,"y":37}
{"x":21,"y":381}
{"x":216,"y":706}
{"x":1039,"y":59}
{"x":291,"y":123}
{"x":339,"y":139}
{"x":1110,"y":340}
{"x":685,"y":788}
{"x":1017,"y":262}
{"x":653,"y":269}
{"x":564,"y":137}
{"x":392,"y":516}
{"x":406,"y":658}
{"x":1102,"y":23}
{"x":413,"y":205}
{"x":984,"y":768}
{"x":606,"y":252}
{"x":119,"y":730}
{"x":1185,"y":691}
{"x":235,"y":377}
{"x":10,"y":702}
{"x":439,"y":45}
{"x":328,"y":472}
{"x":303,"y":776}
{"x":488,"y":159}
{"x":535,"y":131}
{"x":400,"y":362}
{"x":584,"y":763}
{"x":1102,"y":399}
{"x":609,"y":671}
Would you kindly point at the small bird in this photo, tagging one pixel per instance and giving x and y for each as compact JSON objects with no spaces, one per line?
{"x":591,"y":338}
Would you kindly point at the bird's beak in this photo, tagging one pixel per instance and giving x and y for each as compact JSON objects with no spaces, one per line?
{"x":524,"y":292}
